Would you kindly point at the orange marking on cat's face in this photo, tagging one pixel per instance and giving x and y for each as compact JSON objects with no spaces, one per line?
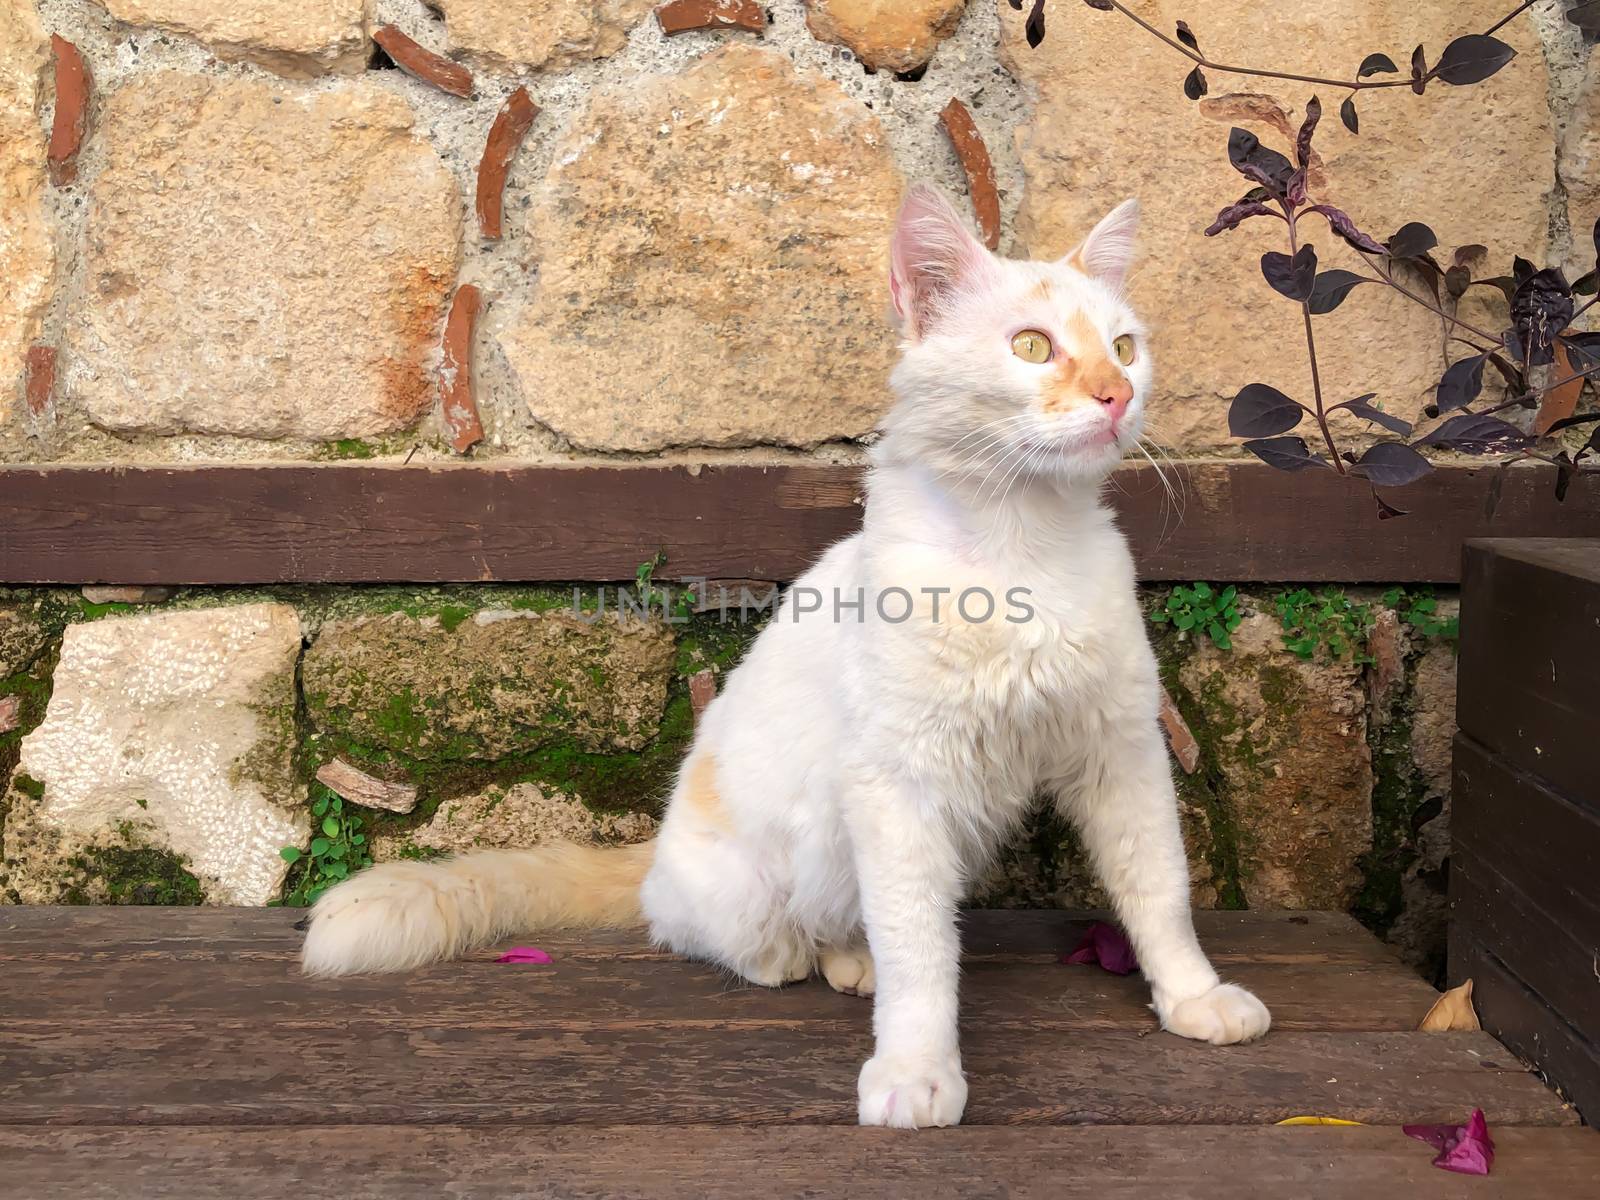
{"x":702,"y":795}
{"x":1083,"y":370}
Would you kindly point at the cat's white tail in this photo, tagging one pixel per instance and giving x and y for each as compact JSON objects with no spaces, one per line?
{"x":400,"y":915}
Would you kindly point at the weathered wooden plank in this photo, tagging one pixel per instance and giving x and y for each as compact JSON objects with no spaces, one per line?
{"x":1527,"y":1024}
{"x":1235,"y":520}
{"x":586,"y":994}
{"x":1555,"y":956}
{"x":1548,"y":846}
{"x":1102,"y":1163}
{"x":363,"y":1071}
{"x":1530,"y":639}
{"x":66,"y":933}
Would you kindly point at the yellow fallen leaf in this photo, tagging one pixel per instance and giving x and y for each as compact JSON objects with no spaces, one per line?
{"x":1452,"y":1011}
{"x":1317,"y":1121}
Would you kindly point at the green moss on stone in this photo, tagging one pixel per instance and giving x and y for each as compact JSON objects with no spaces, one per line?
{"x":274,"y":762}
{"x":619,"y":781}
{"x":1279,"y":687}
{"x":607,"y":781}
{"x":131,"y":875}
{"x":1210,"y":719}
{"x":346,"y":448}
{"x":485,"y":690}
{"x":90,"y":611}
{"x":420,"y":853}
{"x":1399,"y":792}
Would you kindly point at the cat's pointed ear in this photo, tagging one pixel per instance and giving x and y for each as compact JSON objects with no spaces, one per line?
{"x":932,"y":258}
{"x":1107,"y":253}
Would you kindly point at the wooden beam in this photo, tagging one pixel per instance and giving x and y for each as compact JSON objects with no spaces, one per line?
{"x":1231,"y":520}
{"x":499,"y":1162}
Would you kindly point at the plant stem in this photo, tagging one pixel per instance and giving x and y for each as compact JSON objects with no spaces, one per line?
{"x":1508,"y":18}
{"x":1386,"y":277}
{"x":1536,"y":393}
{"x":1580,"y":468}
{"x":1356,"y":85}
{"x":1202,"y":60}
{"x":1311,"y":352}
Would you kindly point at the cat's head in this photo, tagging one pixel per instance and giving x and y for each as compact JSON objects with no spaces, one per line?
{"x":1012,"y":369}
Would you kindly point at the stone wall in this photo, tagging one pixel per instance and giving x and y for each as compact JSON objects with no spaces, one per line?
{"x":259,"y":231}
{"x":237,"y":232}
{"x":194,"y":747}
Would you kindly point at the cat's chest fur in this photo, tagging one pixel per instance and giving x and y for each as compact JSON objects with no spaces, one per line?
{"x":1065,"y":635}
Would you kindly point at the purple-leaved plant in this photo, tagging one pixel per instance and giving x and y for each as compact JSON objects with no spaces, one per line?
{"x":1543,"y":360}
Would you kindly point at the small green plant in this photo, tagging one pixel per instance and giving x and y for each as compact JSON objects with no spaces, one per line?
{"x":1328,"y":619}
{"x":680,"y":606}
{"x":1201,"y":608}
{"x":1420,"y":611}
{"x":338,"y":848}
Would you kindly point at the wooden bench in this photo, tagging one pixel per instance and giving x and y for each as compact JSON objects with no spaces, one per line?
{"x":177,"y":1052}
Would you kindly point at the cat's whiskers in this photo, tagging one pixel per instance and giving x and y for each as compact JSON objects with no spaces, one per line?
{"x":988,"y":456}
{"x":1154,"y":443}
{"x":982,"y":453}
{"x":1038,"y":455}
{"x":1173,"y":503}
{"x":1005,"y":462}
{"x":1011,"y":419}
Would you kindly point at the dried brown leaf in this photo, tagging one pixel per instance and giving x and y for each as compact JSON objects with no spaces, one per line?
{"x":1452,"y":1011}
{"x":1560,"y":401}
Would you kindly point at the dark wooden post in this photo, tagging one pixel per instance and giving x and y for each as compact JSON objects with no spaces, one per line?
{"x":1525,"y":821}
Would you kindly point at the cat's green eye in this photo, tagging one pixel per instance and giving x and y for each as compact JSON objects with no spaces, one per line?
{"x":1031,"y":346}
{"x":1124,"y":349}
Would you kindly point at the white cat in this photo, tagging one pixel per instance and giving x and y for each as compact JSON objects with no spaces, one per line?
{"x":861,"y":766}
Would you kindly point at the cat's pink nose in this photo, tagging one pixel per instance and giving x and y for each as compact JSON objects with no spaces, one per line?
{"x":1115,"y":399}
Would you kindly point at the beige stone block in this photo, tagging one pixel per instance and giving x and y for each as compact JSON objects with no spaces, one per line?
{"x":503,"y":682}
{"x":1580,"y":171}
{"x":27,"y":255}
{"x":887,"y":35}
{"x":172,"y":730}
{"x":713,"y":264}
{"x":1290,"y":738}
{"x":262,"y":260}
{"x":540,"y":33}
{"x":513,"y":818}
{"x":1111,"y":121}
{"x":293,"y":37}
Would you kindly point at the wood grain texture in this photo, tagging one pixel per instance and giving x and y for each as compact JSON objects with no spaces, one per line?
{"x":1527,"y":1024}
{"x":988,"y":935}
{"x":1240,"y":521}
{"x":151,"y":1053}
{"x":1554,"y":958}
{"x":1530,"y":639}
{"x":581,"y":994}
{"x":1101,"y":1163}
{"x":1544,"y":842}
{"x":357,"y":1070}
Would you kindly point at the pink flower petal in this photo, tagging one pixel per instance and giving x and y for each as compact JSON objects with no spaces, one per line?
{"x":1107,"y":947}
{"x":1465,"y":1149}
{"x":526,"y":954}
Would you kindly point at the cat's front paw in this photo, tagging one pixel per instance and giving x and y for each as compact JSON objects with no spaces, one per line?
{"x":1224,"y":1015}
{"x":912,"y":1092}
